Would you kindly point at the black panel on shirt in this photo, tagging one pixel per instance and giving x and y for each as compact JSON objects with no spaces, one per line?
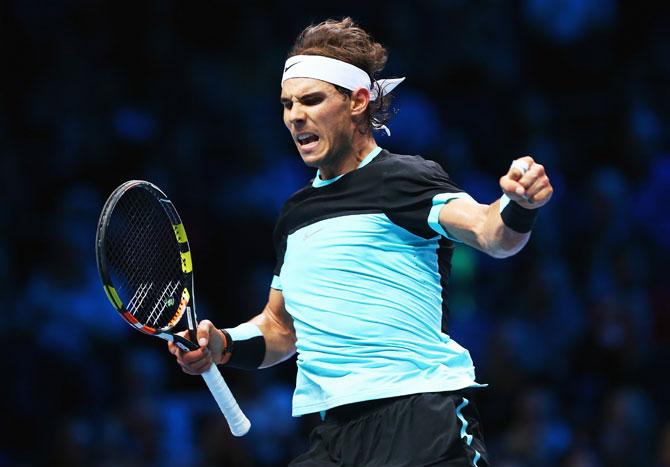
{"x":410,"y":184}
{"x":444,"y":252}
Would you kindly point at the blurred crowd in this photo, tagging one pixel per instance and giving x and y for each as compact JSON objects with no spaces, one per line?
{"x":572,"y":334}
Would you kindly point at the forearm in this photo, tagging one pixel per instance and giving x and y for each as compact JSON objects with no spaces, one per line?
{"x":481,"y":226}
{"x":496,"y":238}
{"x":272,"y":329}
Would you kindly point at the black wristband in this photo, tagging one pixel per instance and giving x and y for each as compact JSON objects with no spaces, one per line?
{"x":518,"y":218}
{"x":229,"y":342}
{"x":246,"y":354}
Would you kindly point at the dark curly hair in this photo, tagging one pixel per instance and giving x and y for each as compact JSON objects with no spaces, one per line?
{"x":344,"y":40}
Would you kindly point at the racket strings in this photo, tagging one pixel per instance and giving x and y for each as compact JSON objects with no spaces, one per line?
{"x":156,"y":312}
{"x":141,"y":293}
{"x":144,"y":258}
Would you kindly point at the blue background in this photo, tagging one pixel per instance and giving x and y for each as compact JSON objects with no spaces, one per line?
{"x":571,"y":334}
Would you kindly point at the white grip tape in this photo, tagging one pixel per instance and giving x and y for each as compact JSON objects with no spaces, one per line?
{"x":239,"y":424}
{"x":522,"y":166}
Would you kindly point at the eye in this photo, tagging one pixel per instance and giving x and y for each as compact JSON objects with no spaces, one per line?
{"x":312,"y":100}
{"x":287,"y":104}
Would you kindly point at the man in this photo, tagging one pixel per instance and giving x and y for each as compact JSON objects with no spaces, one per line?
{"x":363,"y":257}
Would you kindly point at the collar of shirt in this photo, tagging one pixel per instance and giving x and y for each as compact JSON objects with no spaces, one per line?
{"x":318,"y":183}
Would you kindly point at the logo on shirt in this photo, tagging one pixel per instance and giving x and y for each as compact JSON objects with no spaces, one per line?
{"x":309,"y":235}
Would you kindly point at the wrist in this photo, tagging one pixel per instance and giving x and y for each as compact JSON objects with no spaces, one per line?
{"x":515,"y":216}
{"x":227,"y":350}
{"x":245,"y":346}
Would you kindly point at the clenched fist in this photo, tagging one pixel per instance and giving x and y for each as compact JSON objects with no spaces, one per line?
{"x":527,"y":183}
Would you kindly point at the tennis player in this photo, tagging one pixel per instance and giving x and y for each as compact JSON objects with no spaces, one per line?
{"x":363,"y":259}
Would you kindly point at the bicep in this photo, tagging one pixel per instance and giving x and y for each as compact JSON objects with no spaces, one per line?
{"x":274,"y":316}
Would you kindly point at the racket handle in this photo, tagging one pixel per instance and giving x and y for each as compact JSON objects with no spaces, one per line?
{"x":239,"y":424}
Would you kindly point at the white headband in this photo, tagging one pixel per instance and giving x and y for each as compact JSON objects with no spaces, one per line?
{"x":338,"y":73}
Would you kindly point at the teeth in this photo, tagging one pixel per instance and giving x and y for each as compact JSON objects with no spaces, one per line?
{"x":304,"y":136}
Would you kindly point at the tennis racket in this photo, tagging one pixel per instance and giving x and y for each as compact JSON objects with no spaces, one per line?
{"x":145,"y":265}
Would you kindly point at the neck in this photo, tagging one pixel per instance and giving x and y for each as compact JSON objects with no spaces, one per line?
{"x":361,"y":147}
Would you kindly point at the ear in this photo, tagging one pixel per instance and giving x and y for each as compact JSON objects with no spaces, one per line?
{"x":360,"y":98}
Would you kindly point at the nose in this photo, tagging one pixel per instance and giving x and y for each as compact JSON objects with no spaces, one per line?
{"x":296,"y":114}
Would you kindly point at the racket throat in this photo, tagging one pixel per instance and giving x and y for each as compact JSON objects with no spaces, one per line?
{"x":192,"y":323}
{"x":183,"y":343}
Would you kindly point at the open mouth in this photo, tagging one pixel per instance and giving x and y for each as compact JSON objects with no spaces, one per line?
{"x":307,"y":139}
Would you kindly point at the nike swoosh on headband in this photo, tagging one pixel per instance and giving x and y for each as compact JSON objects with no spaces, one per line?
{"x":292,"y":64}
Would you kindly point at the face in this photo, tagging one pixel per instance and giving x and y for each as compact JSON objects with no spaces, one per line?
{"x":320,"y":121}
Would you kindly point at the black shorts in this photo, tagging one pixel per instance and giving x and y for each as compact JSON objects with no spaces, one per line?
{"x":436,"y":429}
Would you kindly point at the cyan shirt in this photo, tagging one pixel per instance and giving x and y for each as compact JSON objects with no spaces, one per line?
{"x":363,"y":264}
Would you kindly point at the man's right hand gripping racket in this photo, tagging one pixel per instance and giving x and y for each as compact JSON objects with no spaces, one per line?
{"x":145,"y":265}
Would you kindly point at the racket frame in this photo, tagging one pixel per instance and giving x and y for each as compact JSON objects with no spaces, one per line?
{"x":237,"y":421}
{"x":187,"y":303}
